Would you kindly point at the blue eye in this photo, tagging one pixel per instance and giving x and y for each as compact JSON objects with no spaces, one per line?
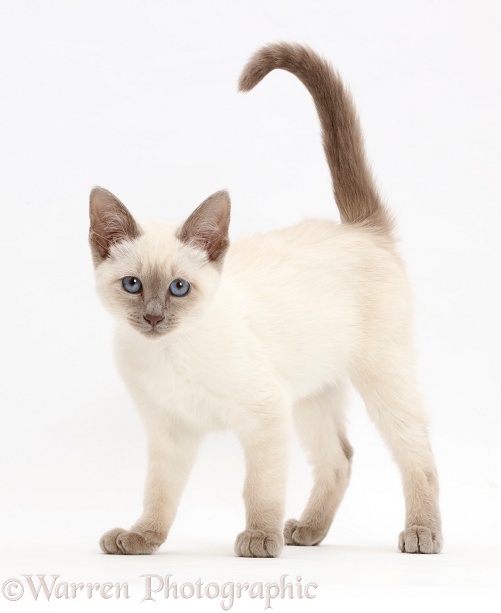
{"x":132,"y":285}
{"x":179,"y":288}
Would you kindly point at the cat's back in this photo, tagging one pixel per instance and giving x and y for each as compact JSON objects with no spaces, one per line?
{"x":314,"y":292}
{"x":312,"y":247}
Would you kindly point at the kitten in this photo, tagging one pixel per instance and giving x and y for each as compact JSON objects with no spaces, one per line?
{"x":265,"y":332}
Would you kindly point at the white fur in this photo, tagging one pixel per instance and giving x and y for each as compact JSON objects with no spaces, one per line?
{"x":292,"y":314}
{"x":272,"y":328}
{"x":294,"y":311}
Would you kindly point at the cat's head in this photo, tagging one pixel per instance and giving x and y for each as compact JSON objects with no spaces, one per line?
{"x":157,"y":277}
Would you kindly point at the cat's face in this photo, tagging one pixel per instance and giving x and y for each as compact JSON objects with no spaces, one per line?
{"x":157,"y":277}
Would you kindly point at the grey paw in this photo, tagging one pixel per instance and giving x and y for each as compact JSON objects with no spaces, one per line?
{"x":296,"y":533}
{"x":259,"y":544}
{"x":420,"y":539}
{"x":123,"y":542}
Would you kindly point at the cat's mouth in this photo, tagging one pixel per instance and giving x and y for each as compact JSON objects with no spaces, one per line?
{"x":154,"y":331}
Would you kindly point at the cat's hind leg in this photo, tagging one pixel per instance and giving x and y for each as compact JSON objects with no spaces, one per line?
{"x":386,"y":381}
{"x":320,"y":425}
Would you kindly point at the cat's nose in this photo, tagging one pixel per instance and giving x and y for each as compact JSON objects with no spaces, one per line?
{"x":153,"y":319}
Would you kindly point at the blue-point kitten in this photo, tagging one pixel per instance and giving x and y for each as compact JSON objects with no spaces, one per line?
{"x":267,"y":332}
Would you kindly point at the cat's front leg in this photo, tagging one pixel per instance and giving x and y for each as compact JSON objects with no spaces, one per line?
{"x":266,"y":447}
{"x":170,"y":458}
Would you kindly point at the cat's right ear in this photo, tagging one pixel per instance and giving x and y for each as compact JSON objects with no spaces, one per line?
{"x":110,"y":223}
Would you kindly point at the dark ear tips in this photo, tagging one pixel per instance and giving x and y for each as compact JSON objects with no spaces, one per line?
{"x":98,"y":194}
{"x":110,"y":223}
{"x":97,"y":190}
{"x":207,"y":227}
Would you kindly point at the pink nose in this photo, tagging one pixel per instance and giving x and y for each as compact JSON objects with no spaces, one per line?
{"x":153,"y":319}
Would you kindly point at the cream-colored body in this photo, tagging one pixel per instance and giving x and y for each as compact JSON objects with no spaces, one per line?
{"x":272,"y":333}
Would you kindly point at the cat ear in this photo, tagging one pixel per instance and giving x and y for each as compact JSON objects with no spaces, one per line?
{"x":207,"y":227}
{"x":110,"y":223}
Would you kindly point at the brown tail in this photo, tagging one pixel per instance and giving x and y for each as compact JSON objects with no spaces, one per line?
{"x":354,"y":190}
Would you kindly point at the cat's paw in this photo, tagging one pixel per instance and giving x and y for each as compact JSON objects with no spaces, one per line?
{"x":259,"y":544}
{"x":296,"y":533}
{"x":420,"y":539}
{"x":123,"y":542}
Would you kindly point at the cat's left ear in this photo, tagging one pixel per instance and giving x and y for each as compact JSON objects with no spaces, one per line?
{"x":207,"y":227}
{"x":110,"y":223}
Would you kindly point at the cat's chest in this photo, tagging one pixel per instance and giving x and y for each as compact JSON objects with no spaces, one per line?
{"x":176,"y":382}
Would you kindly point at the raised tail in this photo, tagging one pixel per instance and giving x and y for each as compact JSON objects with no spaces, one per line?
{"x":356,"y":195}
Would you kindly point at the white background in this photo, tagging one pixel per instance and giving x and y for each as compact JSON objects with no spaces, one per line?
{"x":140,"y":97}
